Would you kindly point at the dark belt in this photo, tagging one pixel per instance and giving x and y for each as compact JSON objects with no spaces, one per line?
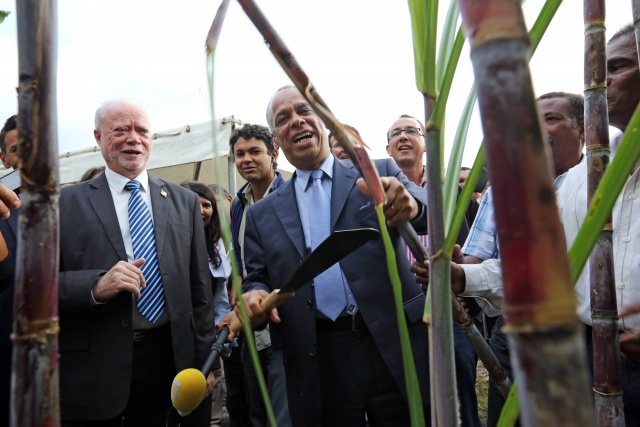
{"x":142,"y":335}
{"x":344,"y":323}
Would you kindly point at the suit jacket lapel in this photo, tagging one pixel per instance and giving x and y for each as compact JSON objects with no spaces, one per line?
{"x":102,"y":204}
{"x":344,"y":179}
{"x":286,"y":208}
{"x":161,"y":206}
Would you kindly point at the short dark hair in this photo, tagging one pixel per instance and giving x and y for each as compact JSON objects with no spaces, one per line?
{"x":9,"y":125}
{"x":626,"y":29}
{"x":250,"y":131}
{"x":347,"y":126}
{"x":576,"y":103}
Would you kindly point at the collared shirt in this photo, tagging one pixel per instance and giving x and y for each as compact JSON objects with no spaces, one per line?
{"x":572,"y":200}
{"x":248,"y":201}
{"x":482,"y":241}
{"x":572,"y":203}
{"x":303,"y":193}
{"x":262,"y":337}
{"x":303,"y":197}
{"x":121,"y":196}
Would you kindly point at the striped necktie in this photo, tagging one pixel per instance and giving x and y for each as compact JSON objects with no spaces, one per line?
{"x":328,"y":285}
{"x":151,"y":301}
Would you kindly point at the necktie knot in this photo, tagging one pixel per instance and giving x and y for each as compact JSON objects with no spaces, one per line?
{"x":132,"y":185}
{"x":317,"y":174}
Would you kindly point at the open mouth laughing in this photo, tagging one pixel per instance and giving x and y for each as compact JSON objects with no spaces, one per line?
{"x":303,"y":137}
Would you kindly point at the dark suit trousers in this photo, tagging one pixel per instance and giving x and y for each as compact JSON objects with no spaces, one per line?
{"x":149,"y":396}
{"x":355,"y":380}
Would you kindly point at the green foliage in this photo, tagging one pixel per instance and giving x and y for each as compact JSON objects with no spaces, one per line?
{"x":446,"y":41}
{"x":410,"y":375}
{"x":211,"y":43}
{"x":424,"y":27}
{"x":511,"y":409}
{"x":3,"y":14}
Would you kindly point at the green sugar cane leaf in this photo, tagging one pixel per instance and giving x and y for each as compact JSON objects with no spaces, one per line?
{"x":424,"y":27}
{"x":447,"y":39}
{"x":452,"y":176}
{"x":511,"y":409}
{"x":410,"y":375}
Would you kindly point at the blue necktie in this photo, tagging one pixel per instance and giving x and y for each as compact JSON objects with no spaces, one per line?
{"x":151,"y":301}
{"x":329,"y":289}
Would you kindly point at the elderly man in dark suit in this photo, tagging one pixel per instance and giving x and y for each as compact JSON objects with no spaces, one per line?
{"x":340,"y":338}
{"x":135,"y":294}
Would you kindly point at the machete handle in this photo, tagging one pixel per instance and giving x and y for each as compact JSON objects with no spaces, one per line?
{"x":274,"y":300}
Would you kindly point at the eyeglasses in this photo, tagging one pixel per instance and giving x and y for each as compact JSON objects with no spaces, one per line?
{"x":409,"y":131}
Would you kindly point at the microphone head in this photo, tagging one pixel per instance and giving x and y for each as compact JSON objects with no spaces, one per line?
{"x":188,"y":390}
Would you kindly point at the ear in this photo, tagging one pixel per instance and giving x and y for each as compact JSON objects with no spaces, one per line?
{"x":275,"y":154}
{"x":97,"y":135}
{"x":388,"y":150}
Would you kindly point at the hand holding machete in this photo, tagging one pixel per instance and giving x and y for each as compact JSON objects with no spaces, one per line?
{"x":339,"y":244}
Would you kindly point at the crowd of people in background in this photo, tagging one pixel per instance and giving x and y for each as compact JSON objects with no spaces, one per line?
{"x":146,"y":278}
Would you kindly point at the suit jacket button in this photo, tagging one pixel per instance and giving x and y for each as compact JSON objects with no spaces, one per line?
{"x":125,"y":323}
{"x":312,"y":351}
{"x":309,"y":304}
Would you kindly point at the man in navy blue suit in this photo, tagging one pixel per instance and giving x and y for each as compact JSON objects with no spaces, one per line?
{"x":339,"y":367}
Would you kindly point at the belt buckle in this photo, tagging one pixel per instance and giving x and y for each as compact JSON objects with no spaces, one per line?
{"x":358,"y":325}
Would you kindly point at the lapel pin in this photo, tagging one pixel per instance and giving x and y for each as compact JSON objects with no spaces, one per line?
{"x":163,"y":193}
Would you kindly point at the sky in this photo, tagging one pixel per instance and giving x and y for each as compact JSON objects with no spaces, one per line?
{"x":358,"y":54}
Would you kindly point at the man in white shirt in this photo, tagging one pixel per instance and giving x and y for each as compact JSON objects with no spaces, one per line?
{"x":120,"y":344}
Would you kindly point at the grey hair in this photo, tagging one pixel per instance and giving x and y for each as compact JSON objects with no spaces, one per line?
{"x":102,"y":110}
{"x":272,"y":128}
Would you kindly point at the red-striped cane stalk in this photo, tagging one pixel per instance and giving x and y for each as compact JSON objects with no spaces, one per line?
{"x":35,"y":399}
{"x":606,"y":346}
{"x":355,"y":148}
{"x":540,"y":309}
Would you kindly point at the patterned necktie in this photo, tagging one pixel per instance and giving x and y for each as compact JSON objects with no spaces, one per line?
{"x":151,"y":301}
{"x":330,"y":292}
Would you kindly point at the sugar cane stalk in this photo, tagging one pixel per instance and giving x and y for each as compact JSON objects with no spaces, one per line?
{"x":211,"y":45}
{"x":635,"y":5}
{"x":438,"y":313}
{"x":355,"y":148}
{"x":540,"y":309}
{"x":607,"y":384}
{"x":35,"y":330}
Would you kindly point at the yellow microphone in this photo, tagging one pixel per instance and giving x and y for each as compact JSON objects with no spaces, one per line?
{"x":188,"y":390}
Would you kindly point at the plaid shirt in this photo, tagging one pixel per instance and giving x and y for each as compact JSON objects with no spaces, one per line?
{"x":482,"y":241}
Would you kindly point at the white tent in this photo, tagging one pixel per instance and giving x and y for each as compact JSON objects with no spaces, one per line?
{"x":178,"y":155}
